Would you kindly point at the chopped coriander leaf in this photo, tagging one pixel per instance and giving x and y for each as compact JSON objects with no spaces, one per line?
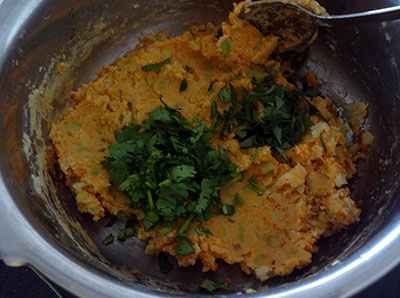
{"x":183,"y":85}
{"x":129,"y":232}
{"x":237,"y":176}
{"x":226,"y":47}
{"x":323,"y":143}
{"x":130,"y":105}
{"x":150,"y":220}
{"x":168,"y":169}
{"x":238,"y":199}
{"x":156,"y":66}
{"x":198,"y":231}
{"x":212,"y":286}
{"x":211,"y":88}
{"x":132,"y":225}
{"x":227,"y":209}
{"x":165,"y":230}
{"x":125,"y":233}
{"x":189,"y":69}
{"x":283,"y":154}
{"x":108,"y":240}
{"x":164,"y":264}
{"x":184,"y":248}
{"x":208,"y":233}
{"x":255,"y":154}
{"x":278,"y":134}
{"x":235,"y":99}
{"x":323,"y":171}
{"x":253,"y":183}
{"x":216,"y":117}
{"x":250,"y":291}
{"x":266,"y":174}
{"x":224,"y":95}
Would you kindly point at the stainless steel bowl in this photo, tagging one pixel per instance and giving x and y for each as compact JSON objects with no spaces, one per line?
{"x":39,"y":223}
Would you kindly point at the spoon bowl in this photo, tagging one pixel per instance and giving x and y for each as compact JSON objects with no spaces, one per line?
{"x":297,"y":25}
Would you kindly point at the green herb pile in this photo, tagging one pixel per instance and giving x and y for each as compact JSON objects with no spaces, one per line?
{"x":168,"y":169}
{"x":270,"y":114}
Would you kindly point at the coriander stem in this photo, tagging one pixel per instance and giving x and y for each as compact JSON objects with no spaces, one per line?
{"x":166,"y":182}
{"x":185,"y":224}
{"x":197,"y":230}
{"x":268,"y":173}
{"x":259,"y":187}
{"x":239,"y":177}
{"x":150,"y":199}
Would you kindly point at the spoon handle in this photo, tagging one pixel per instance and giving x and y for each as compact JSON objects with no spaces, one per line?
{"x":372,"y":16}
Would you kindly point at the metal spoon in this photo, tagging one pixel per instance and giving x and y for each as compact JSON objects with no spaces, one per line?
{"x":298,"y":26}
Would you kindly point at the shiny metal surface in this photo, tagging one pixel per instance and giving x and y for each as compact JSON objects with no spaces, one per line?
{"x":364,"y":17}
{"x":359,"y":63}
{"x":287,"y":19}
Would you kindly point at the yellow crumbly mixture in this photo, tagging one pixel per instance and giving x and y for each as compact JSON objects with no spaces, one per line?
{"x":270,"y":234}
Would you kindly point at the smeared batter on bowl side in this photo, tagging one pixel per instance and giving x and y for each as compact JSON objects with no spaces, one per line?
{"x":273,"y":231}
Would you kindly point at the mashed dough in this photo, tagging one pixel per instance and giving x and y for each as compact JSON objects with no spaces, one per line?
{"x":270,"y":234}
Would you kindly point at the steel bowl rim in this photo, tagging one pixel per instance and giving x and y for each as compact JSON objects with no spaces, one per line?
{"x":21,"y":244}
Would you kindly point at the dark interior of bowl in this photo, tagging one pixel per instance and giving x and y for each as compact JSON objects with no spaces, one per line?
{"x":352,"y":64}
